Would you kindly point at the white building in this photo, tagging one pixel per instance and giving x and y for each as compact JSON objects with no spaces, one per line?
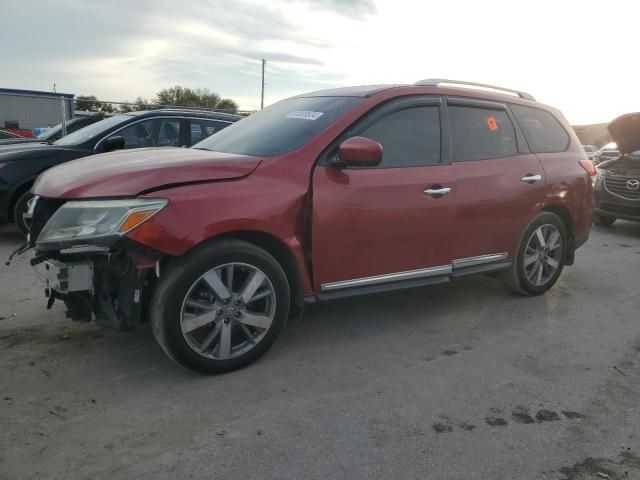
{"x":29,"y":109}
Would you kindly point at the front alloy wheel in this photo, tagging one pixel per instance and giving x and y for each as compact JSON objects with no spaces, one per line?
{"x":220,"y":307}
{"x":228,"y":311}
{"x":22,"y":213}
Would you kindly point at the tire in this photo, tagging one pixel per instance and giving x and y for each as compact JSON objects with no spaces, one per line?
{"x":19,"y":210}
{"x":520,"y":278}
{"x":191,"y":281}
{"x":604,"y":220}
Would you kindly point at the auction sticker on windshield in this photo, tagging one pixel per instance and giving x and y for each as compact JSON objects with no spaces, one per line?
{"x":304,"y":115}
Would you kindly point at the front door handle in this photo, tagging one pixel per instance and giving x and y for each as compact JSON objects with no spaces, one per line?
{"x":529,"y":178}
{"x":437,"y":192}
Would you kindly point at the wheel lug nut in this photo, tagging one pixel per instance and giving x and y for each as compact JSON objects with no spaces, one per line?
{"x":219,"y":312}
{"x":237,"y":314}
{"x":236,"y":303}
{"x":227,"y":320}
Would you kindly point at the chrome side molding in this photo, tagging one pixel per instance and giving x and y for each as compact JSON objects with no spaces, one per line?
{"x":413,"y":274}
{"x":479,"y":260}
{"x":389,"y":277}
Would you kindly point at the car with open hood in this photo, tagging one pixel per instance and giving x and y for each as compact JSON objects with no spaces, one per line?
{"x":20,"y":164}
{"x":338,"y":193}
{"x":617,"y":184}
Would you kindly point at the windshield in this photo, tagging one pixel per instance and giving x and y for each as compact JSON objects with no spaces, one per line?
{"x":283,"y":127}
{"x":54,"y":132}
{"x":91,"y":131}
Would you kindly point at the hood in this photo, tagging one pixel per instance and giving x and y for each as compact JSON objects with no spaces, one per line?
{"x":625,"y":131}
{"x":20,"y":151}
{"x":132,"y":172}
{"x":625,"y":166}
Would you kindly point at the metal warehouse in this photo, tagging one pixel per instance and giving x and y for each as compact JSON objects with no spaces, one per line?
{"x":29,"y":109}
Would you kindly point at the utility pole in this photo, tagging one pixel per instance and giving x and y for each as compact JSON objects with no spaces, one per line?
{"x":264,"y":62}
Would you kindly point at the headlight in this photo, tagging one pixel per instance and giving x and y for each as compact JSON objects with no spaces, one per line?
{"x":98,"y":219}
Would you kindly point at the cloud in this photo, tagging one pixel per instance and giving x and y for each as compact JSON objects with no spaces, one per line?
{"x":358,"y":9}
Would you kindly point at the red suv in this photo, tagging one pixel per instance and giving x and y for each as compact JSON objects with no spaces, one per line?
{"x":335,"y":193}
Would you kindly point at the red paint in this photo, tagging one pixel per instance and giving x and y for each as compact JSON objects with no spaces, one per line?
{"x":339,"y":224}
{"x":129,"y":172}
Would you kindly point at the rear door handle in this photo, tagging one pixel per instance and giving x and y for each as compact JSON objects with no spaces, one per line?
{"x":531,"y":178}
{"x":437,"y":192}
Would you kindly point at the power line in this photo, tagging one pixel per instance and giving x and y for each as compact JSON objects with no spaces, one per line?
{"x":264,"y":62}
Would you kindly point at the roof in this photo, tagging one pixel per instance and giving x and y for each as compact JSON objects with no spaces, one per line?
{"x":16,"y":91}
{"x":356,"y":91}
{"x":369,"y":90}
{"x":186,"y":111}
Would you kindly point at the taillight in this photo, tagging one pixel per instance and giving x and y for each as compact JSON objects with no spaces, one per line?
{"x":589,"y":167}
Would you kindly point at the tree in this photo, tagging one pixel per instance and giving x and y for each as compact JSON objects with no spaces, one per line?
{"x":90,"y":103}
{"x":138,"y":105}
{"x":227,"y":104}
{"x":198,"y":98}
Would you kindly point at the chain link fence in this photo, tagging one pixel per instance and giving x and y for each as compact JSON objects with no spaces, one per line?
{"x":30,"y":114}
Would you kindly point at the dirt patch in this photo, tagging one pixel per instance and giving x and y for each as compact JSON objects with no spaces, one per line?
{"x":547,"y":416}
{"x":572,"y":415}
{"x":467,"y":426}
{"x":448,"y":353}
{"x":521,"y":414}
{"x":626,"y":468}
{"x":496,"y":421}
{"x":442,"y":428}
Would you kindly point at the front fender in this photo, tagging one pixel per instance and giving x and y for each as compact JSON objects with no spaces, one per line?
{"x":199,"y":213}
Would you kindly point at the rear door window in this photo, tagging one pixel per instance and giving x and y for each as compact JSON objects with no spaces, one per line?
{"x":543,"y":132}
{"x":481,"y":133}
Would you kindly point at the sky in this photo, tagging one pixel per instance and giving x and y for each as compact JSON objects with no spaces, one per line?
{"x":579,"y":56}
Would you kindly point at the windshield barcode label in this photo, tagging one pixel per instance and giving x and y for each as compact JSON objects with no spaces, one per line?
{"x":305,"y":115}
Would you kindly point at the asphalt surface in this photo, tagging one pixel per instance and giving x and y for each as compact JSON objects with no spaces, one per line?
{"x":460,"y":381}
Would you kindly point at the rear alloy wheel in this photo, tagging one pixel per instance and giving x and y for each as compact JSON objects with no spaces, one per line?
{"x":21,"y":214}
{"x":604,"y":220}
{"x":540,"y":258}
{"x":220,"y":308}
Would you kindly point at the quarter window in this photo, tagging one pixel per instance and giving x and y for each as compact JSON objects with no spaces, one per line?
{"x":409,"y":137}
{"x":480,"y":134}
{"x":541,"y":129}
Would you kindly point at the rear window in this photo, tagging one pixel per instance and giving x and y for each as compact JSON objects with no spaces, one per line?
{"x":480,"y":134}
{"x":283,"y":127}
{"x":543,"y":132}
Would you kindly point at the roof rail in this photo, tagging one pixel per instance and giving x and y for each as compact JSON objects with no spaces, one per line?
{"x":436,"y":82}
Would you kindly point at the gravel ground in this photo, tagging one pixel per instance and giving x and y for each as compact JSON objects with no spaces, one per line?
{"x":462,"y":381}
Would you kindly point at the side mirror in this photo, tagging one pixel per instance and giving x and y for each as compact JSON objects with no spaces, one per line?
{"x":359,"y":152}
{"x":113,"y":143}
